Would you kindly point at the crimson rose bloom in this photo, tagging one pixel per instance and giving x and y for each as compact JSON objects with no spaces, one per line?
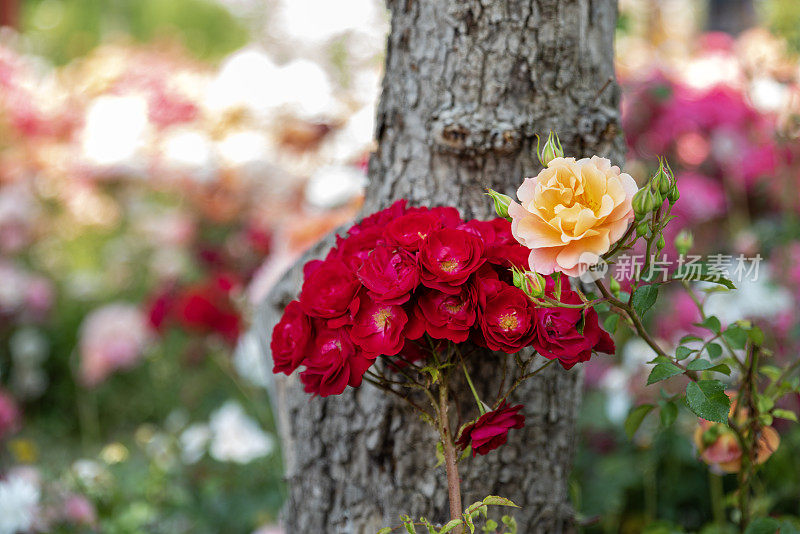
{"x":380,"y":218}
{"x":390,"y":274}
{"x":329,"y":290}
{"x":354,"y":250}
{"x":289,"y":339}
{"x":507,"y":317}
{"x":491,"y":429}
{"x":447,"y":316}
{"x":334,"y":362}
{"x":412,"y":228}
{"x":448,"y":257}
{"x":557,"y":335}
{"x":378,"y":328}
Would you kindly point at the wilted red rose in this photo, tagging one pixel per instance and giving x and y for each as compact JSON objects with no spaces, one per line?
{"x":448,"y":257}
{"x":558,"y":335}
{"x":334,"y":362}
{"x":390,"y":274}
{"x":491,"y":429}
{"x":378,"y":328}
{"x":290,"y":339}
{"x":329,"y":290}
{"x":447,"y":316}
{"x":507,"y":318}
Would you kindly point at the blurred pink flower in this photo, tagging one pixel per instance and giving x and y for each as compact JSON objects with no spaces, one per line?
{"x":701,"y":198}
{"x":112,"y":338}
{"x":9,"y":415}
{"x":79,"y":510}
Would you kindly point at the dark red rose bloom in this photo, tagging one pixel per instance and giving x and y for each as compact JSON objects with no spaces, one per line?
{"x":448,"y":257}
{"x":412,"y":228}
{"x":380,"y":218}
{"x":290,"y":339}
{"x":329,"y":290}
{"x":378,"y":328}
{"x":557,"y":335}
{"x":333,"y":362}
{"x":504,"y":249}
{"x":507,"y":319}
{"x":160,"y":309}
{"x":447,"y":316}
{"x":390,"y":274}
{"x":491,"y":429}
{"x":354,"y":250}
{"x":208,"y":307}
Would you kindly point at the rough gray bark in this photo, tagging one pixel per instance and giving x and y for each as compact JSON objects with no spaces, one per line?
{"x":468,"y":83}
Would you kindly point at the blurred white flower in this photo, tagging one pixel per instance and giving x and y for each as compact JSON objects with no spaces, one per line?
{"x":246,"y":80}
{"x":335,"y":185}
{"x":19,"y":499}
{"x":315,"y":21}
{"x":194,"y":442}
{"x":753,"y":299}
{"x":90,"y":473}
{"x":116,"y":132}
{"x":191,"y":153}
{"x":237,"y":437}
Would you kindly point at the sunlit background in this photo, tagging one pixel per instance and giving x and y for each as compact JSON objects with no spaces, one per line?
{"x":162,"y":163}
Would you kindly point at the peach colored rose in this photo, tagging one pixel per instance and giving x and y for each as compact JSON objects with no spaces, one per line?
{"x":571,"y":213}
{"x":724,"y":451}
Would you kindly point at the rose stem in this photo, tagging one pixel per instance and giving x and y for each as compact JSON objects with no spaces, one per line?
{"x":453,"y":481}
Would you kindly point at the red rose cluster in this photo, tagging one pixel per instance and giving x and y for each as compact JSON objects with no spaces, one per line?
{"x":405,"y":272}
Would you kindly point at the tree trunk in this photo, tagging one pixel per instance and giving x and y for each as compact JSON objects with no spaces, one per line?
{"x":468,"y":84}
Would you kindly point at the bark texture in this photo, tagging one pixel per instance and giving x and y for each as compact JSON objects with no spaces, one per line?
{"x":468,"y":84}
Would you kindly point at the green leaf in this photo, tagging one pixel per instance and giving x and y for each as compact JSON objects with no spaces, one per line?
{"x":453,"y":523}
{"x":707,"y":399}
{"x":469,"y":523}
{"x":701,"y":272}
{"x":714,"y":350}
{"x":785,"y":414}
{"x":424,"y":521}
{"x":736,"y":336}
{"x":384,"y":530}
{"x":683,"y":352}
{"x":770,"y":371}
{"x":756,"y":336}
{"x":687,"y":339}
{"x":763,"y":525}
{"x":494,"y":500}
{"x":711,"y":323}
{"x":610,"y":323}
{"x":490,"y":526}
{"x":643,"y":298}
{"x":668,"y":413}
{"x":662,"y":371}
{"x":635,"y":418}
{"x":511,"y":523}
{"x":409,"y":524}
{"x":704,"y":365}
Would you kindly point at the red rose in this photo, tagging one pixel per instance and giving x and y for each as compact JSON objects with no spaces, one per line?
{"x":557,"y":335}
{"x":207,"y":307}
{"x":333,"y":362}
{"x":354,"y":249}
{"x":380,"y":218}
{"x":507,"y":319}
{"x":504,"y":249}
{"x":412,"y":228}
{"x":290,"y":339}
{"x":491,"y":429}
{"x":447,"y":316}
{"x":329,"y":290}
{"x":378,"y":328}
{"x":390,"y":274}
{"x":448,"y":257}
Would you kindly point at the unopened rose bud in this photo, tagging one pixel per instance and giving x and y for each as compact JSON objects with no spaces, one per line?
{"x":684,"y":241}
{"x":641,"y":229}
{"x":531,"y":283}
{"x":639,"y":203}
{"x":660,"y":243}
{"x":552,"y":149}
{"x":501,"y":203}
{"x":673,"y":195}
{"x":614,"y":286}
{"x":663,"y":179}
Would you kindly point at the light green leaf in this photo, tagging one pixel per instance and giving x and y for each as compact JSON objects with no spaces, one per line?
{"x":635,"y":418}
{"x":701,"y":272}
{"x":704,"y":365}
{"x":494,"y":500}
{"x":453,"y":523}
{"x":643,"y":298}
{"x":714,"y":350}
{"x":736,"y":336}
{"x":785,"y":414}
{"x":662,"y":371}
{"x":409,"y":524}
{"x":756,"y":336}
{"x":707,"y":399}
{"x":384,"y":530}
{"x":711,"y":323}
{"x":687,"y":339}
{"x":610,"y":323}
{"x":683,"y":352}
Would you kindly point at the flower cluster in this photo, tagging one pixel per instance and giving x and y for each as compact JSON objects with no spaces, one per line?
{"x":404,"y":273}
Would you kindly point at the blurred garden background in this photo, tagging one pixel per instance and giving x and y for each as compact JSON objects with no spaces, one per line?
{"x":163,"y":162}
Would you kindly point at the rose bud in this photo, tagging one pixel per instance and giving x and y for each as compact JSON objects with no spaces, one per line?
{"x":552,"y":149}
{"x":329,"y":290}
{"x":684,"y":241}
{"x":491,"y":429}
{"x":390,"y":274}
{"x":448,"y":257}
{"x":290,"y":338}
{"x":334,"y":362}
{"x":501,"y":203}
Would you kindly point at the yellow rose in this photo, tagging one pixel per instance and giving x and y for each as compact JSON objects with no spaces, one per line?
{"x":571,"y":213}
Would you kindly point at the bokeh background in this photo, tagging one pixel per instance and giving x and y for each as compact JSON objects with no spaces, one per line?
{"x":162,"y":163}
